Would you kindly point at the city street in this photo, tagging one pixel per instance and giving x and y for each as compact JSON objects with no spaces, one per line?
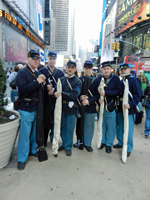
{"x":84,"y":175}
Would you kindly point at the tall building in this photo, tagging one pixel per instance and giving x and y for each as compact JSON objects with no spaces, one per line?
{"x":63,"y":11}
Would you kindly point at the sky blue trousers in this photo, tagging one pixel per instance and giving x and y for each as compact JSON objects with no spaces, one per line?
{"x":67,"y":130}
{"x":89,"y":124}
{"x":147,"y":121}
{"x":27,"y":136}
{"x":120,"y":128}
{"x":108,"y":127}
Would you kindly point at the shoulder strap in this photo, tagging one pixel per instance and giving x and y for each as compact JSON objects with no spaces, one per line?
{"x":31,"y":73}
{"x":53,"y":74}
{"x":72,"y":89}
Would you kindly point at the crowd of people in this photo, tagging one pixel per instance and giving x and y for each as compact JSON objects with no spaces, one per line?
{"x":81,"y":101}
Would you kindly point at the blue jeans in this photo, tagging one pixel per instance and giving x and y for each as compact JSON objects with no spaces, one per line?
{"x":27,"y":136}
{"x":108,"y":127}
{"x":67,"y":130}
{"x":147,"y":121}
{"x":13,"y":93}
{"x":89,"y":124}
{"x":120,"y":131}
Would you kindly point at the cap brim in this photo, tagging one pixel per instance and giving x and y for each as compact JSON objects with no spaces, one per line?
{"x":35,"y":57}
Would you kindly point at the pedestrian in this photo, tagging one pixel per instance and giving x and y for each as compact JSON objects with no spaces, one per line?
{"x":86,"y":120}
{"x":135,"y":90}
{"x":71,"y":89}
{"x":142,"y":78}
{"x":52,"y":74}
{"x":112,"y":88}
{"x":12,"y":82}
{"x":28,"y":81}
{"x":147,"y":109}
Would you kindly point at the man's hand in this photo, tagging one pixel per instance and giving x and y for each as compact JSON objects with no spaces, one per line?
{"x":57,"y":94}
{"x":49,"y":87}
{"x":50,"y":92}
{"x":41,"y":78}
{"x":102,"y":93}
{"x":101,"y":101}
{"x":83,"y":97}
{"x":85,"y":102}
{"x":127,"y":106}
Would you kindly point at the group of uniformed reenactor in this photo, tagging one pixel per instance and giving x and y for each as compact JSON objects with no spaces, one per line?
{"x":81,"y":101}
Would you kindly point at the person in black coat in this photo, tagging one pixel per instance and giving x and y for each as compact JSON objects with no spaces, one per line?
{"x":28,"y":81}
{"x":135,"y":90}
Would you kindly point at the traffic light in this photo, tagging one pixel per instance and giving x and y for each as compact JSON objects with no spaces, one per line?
{"x":117,"y":45}
{"x":114,"y":46}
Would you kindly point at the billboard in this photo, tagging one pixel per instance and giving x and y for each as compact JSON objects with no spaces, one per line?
{"x":23,"y":5}
{"x":108,"y":27}
{"x":131,"y":9}
{"x":39,"y":18}
{"x":15,"y":46}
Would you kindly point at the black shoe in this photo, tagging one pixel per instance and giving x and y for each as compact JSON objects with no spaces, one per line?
{"x":102,"y":146}
{"x":117,"y":146}
{"x":61,"y":148}
{"x":108,"y":149}
{"x":128,"y":154}
{"x":21,"y":165}
{"x":35,"y":154}
{"x":75,"y":144}
{"x":68,"y":152}
{"x":81,"y":146}
{"x":88,"y":148}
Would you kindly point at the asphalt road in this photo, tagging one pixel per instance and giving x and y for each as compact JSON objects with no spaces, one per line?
{"x":83,"y":176}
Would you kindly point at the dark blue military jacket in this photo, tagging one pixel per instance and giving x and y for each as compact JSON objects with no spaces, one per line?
{"x":112,"y":88}
{"x":28,"y":88}
{"x":70,"y":95}
{"x":91,"y":108}
{"x":135,"y":89}
{"x":57,"y":73}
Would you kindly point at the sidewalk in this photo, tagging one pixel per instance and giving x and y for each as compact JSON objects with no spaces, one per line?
{"x":83,"y":176}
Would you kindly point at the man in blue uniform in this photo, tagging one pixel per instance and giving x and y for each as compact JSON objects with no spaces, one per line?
{"x":111,"y":89}
{"x":28,"y":82}
{"x":135,"y":90}
{"x":52,"y":74}
{"x":86,"y":122}
{"x":71,"y":88}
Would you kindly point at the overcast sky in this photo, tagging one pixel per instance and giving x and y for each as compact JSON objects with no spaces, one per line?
{"x":87,"y":20}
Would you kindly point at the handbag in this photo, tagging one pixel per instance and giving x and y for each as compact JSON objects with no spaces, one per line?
{"x":110,"y":106}
{"x":13,"y":85}
{"x":42,"y":155}
{"x":145,"y":102}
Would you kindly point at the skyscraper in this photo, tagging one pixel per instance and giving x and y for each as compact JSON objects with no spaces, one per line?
{"x":63,"y":11}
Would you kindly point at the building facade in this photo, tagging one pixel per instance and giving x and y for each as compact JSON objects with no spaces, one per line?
{"x":21,"y":30}
{"x":131,"y":29}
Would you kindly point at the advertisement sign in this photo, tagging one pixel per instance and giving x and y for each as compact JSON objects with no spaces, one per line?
{"x":39,"y":17}
{"x":23,"y":5}
{"x":108,"y":38}
{"x":15,"y":46}
{"x":42,"y":57}
{"x":127,"y":10}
